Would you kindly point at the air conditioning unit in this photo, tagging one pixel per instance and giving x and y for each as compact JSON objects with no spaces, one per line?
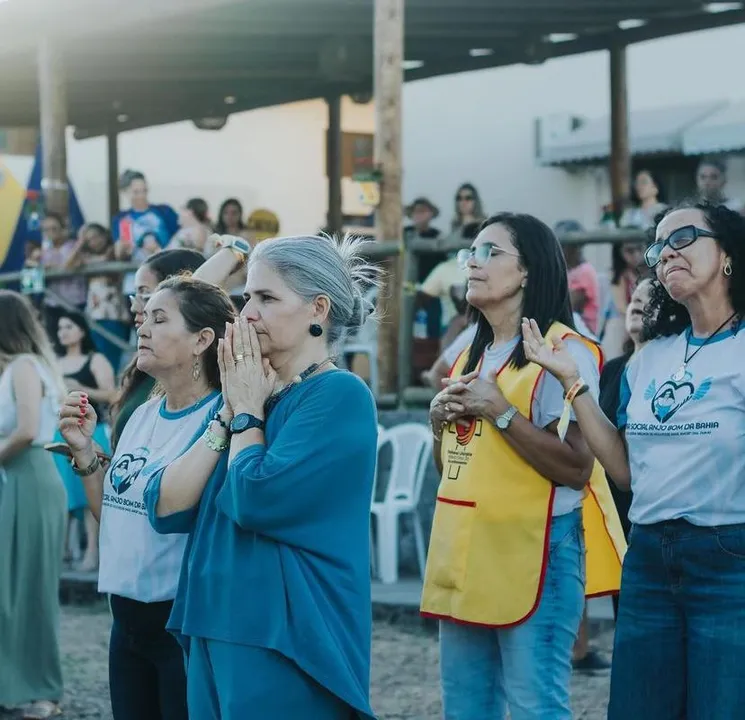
{"x":549,"y":128}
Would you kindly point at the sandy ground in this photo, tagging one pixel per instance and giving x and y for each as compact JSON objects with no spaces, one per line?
{"x":404,"y":675}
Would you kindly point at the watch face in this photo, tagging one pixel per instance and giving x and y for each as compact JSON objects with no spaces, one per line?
{"x":243,"y":422}
{"x":502,"y":423}
{"x":240,"y":422}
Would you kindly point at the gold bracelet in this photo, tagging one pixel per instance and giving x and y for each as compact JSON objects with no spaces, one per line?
{"x":214,"y":442}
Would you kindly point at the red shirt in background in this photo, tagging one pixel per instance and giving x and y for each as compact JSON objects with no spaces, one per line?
{"x":583,"y":277}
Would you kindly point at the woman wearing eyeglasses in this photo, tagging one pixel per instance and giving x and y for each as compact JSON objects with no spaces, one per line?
{"x":506,"y":566}
{"x":680,"y":636}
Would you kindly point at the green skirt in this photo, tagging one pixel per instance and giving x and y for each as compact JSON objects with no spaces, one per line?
{"x":33,"y":513}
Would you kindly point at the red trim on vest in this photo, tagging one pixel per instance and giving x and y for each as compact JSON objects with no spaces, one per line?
{"x":461,"y":503}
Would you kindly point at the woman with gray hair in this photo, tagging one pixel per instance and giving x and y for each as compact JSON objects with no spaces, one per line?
{"x":274,"y":604}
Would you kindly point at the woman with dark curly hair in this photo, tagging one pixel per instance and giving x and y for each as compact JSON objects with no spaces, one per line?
{"x":680,"y":638}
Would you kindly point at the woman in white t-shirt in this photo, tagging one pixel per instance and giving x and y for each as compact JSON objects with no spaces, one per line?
{"x":680,"y":638}
{"x":139,"y":569}
{"x":33,"y":513}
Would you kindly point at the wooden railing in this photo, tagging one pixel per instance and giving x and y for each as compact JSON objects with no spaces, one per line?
{"x":378,"y":251}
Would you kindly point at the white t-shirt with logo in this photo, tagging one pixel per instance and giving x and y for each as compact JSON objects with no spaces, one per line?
{"x":548,"y":402}
{"x":685,"y":431}
{"x":135,"y":561}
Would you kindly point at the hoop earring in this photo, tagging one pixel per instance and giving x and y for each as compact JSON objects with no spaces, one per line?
{"x":196,"y":370}
{"x":316,"y":330}
{"x":727,"y":268}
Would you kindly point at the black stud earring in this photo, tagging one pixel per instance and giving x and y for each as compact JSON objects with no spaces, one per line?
{"x":316,"y":330}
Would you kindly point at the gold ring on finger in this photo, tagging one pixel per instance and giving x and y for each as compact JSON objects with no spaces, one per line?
{"x":239,"y":357}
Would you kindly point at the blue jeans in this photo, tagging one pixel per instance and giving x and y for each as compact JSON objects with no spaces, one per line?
{"x":680,"y":637}
{"x":526,"y":668}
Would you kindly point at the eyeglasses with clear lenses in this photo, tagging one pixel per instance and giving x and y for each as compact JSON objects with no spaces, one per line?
{"x":138,"y":300}
{"x":481,"y":254}
{"x":677,"y":240}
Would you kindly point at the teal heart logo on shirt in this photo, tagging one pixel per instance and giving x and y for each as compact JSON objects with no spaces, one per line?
{"x":671,"y":396}
{"x":125,"y":471}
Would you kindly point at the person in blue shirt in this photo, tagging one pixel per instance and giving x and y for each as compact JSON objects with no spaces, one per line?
{"x":273,"y":603}
{"x":144,"y":229}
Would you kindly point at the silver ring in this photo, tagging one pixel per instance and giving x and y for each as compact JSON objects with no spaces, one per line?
{"x":239,"y":357}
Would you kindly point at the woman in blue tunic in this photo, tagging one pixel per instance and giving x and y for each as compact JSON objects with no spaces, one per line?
{"x":274,"y":598}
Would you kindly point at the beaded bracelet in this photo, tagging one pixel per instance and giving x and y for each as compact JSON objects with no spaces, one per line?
{"x":214,"y":442}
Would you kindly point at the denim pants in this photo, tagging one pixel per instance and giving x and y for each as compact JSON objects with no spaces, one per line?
{"x":527,"y":668}
{"x":680,"y":638}
{"x":147,"y":677}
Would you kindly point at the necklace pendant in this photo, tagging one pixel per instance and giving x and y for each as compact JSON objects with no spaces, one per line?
{"x":680,"y":373}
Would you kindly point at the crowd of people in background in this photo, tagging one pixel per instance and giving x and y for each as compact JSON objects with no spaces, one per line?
{"x":234,"y":374}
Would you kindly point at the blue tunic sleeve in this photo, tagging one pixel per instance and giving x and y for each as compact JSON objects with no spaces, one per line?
{"x":180,"y":522}
{"x":289,"y":489}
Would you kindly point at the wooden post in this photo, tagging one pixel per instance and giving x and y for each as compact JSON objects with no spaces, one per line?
{"x":112,"y":153}
{"x":53,"y":122}
{"x":620,"y":156}
{"x":389,"y":56}
{"x":334,"y":219}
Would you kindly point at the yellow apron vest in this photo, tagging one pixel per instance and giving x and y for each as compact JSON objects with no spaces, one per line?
{"x":490,"y":534}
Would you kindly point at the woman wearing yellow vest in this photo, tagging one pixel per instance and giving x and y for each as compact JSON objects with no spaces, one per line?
{"x":506,"y":565}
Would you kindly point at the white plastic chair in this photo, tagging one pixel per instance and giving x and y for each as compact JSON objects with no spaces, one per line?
{"x":365,"y":342}
{"x":411,"y":445}
{"x":381,"y":442}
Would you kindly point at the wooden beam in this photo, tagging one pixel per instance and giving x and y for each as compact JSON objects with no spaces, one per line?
{"x":620,"y":154}
{"x":112,"y":153}
{"x":53,"y":122}
{"x":388,"y":82}
{"x":334,"y":218}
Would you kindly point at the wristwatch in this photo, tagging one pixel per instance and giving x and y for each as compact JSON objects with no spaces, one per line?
{"x":239,"y":246}
{"x":504,"y":420}
{"x":245,"y":421}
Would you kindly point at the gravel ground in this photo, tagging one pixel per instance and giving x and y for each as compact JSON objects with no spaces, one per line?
{"x":404,"y":675}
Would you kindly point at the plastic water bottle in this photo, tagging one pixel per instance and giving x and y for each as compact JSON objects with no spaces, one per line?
{"x":420,"y":324}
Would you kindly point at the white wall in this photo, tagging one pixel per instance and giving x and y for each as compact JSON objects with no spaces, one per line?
{"x":479,"y":127}
{"x":476,"y":127}
{"x":274,"y":158}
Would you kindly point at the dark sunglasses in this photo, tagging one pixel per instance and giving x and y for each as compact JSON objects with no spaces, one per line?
{"x":677,"y":240}
{"x":465,"y":197}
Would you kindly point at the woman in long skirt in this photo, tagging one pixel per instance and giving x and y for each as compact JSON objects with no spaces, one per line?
{"x":33,"y":508}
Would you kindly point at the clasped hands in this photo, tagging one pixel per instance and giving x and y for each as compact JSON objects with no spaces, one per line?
{"x":468,"y":396}
{"x":247,"y":378}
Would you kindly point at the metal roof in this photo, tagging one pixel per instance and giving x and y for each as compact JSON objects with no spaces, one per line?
{"x":650,"y":132}
{"x":723,"y":131}
{"x":138,"y":63}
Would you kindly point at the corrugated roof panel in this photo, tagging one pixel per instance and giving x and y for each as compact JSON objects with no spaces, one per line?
{"x":723,"y":131}
{"x":659,"y":130}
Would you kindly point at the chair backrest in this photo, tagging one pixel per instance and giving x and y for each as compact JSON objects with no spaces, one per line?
{"x":381,"y":441}
{"x":411,"y":445}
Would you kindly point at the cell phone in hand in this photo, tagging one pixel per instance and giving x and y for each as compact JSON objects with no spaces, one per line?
{"x":60,"y":448}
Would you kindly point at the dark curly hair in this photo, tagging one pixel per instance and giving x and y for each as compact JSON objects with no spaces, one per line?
{"x":663,"y":316}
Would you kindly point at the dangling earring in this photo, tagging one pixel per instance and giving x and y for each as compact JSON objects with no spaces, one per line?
{"x":196,"y":370}
{"x":316,"y":330}
{"x":727,"y":268}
